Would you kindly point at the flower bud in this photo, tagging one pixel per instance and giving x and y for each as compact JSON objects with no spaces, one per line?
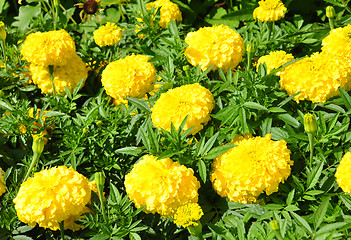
{"x":250,"y":47}
{"x":2,"y":93}
{"x":310,"y":123}
{"x":274,"y":225}
{"x":38,"y":143}
{"x":2,"y":31}
{"x":99,"y":179}
{"x":330,"y":12}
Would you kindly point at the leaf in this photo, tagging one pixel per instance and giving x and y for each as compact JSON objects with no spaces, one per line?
{"x":346,"y":199}
{"x":266,"y":126}
{"x":288,"y":119}
{"x":331,"y":227}
{"x":288,"y":99}
{"x":254,"y":105}
{"x":26,"y":14}
{"x":22,"y":237}
{"x":320,"y":213}
{"x":290,"y":197}
{"x":208,"y":145}
{"x":202,"y":170}
{"x":302,"y":222}
{"x":345,"y":97}
{"x":314,"y":175}
{"x":217,"y":151}
{"x":142,"y":105}
{"x":6,"y":105}
{"x":135,"y":151}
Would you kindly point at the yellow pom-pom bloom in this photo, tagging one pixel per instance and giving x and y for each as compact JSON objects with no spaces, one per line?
{"x":188,"y":215}
{"x":343,"y":172}
{"x":269,"y":10}
{"x":338,"y":42}
{"x":254,"y":166}
{"x":48,"y":48}
{"x":52,"y":196}
{"x":317,"y":77}
{"x":2,"y":183}
{"x":108,"y":35}
{"x":190,"y":100}
{"x":68,"y":75}
{"x":168,"y":11}
{"x":275,"y":59}
{"x":161,"y":185}
{"x":132,"y":76}
{"x":218,"y":45}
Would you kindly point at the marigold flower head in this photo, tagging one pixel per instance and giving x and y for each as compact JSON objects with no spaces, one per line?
{"x":275,"y":59}
{"x":317,"y":77}
{"x":217,"y":45}
{"x":343,"y":173}
{"x":254,"y":166}
{"x":188,"y":215}
{"x":2,"y":183}
{"x":68,"y":75}
{"x":52,"y":196}
{"x":168,"y":11}
{"x":338,"y":42}
{"x":132,"y":76}
{"x":161,"y":185}
{"x":48,"y":48}
{"x":269,"y":10}
{"x":108,"y":35}
{"x":190,"y":100}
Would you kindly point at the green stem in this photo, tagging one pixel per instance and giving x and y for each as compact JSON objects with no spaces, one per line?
{"x":270,"y":30}
{"x":311,"y":142}
{"x":249,"y":60}
{"x":101,"y":197}
{"x":3,"y":43}
{"x":62,"y":230}
{"x":278,"y":235}
{"x":35,"y":159}
{"x":51,"y":71}
{"x":331,"y":23}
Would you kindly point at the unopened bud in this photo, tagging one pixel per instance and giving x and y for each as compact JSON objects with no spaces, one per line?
{"x":250,"y":47}
{"x":85,"y":130}
{"x":2,"y":31}
{"x":38,"y":143}
{"x":274,"y":225}
{"x":330,"y":12}
{"x":310,"y":123}
{"x":99,"y":179}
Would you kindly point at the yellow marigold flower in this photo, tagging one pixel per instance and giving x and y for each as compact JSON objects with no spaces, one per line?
{"x":269,"y":10}
{"x":338,"y":42}
{"x":275,"y":59}
{"x":108,"y":35}
{"x":174,"y":105}
{"x":49,"y":48}
{"x":343,"y":173}
{"x":161,"y":185}
{"x":2,"y":183}
{"x":218,"y":45}
{"x":168,"y":11}
{"x":68,"y":75}
{"x":132,"y":76}
{"x":52,"y":196}
{"x":188,"y":215}
{"x":317,"y":77}
{"x":255,"y":165}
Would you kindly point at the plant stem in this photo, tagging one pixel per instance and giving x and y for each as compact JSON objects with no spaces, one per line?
{"x":270,"y":30}
{"x":3,"y":43}
{"x":101,"y":197}
{"x":278,"y":235}
{"x":35,"y":159}
{"x":331,"y":23}
{"x":311,"y":142}
{"x":62,"y":230}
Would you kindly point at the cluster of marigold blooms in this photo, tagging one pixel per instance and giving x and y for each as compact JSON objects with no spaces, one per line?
{"x":60,"y":194}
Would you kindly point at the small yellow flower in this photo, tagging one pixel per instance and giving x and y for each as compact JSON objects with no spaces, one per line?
{"x":162,"y":186}
{"x":254,"y":166}
{"x":275,"y":59}
{"x":269,"y":10}
{"x":188,"y":214}
{"x":343,"y":173}
{"x":2,"y":182}
{"x":218,"y":45}
{"x":108,"y":35}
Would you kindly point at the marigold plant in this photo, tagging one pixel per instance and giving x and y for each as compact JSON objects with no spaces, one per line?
{"x":269,"y":10}
{"x":161,"y":185}
{"x":52,"y":196}
{"x":49,"y":48}
{"x":254,"y":166}
{"x":108,"y":35}
{"x":275,"y":59}
{"x":219,"y":46}
{"x":132,"y":76}
{"x":190,"y":100}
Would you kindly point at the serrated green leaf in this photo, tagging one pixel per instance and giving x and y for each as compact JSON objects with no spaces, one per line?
{"x":302,"y":222}
{"x":202,"y":170}
{"x":320,"y":213}
{"x":217,"y":151}
{"x":254,"y":105}
{"x":135,"y":151}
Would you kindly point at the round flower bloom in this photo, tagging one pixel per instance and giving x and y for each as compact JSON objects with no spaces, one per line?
{"x":190,"y":100}
{"x":68,"y":75}
{"x":132,"y":76}
{"x":275,"y":59}
{"x":218,"y":45}
{"x":338,"y":42}
{"x":2,"y":182}
{"x":269,"y":10}
{"x":168,"y":11}
{"x":317,"y":77}
{"x":48,"y":48}
{"x":255,"y":165}
{"x":52,"y":196}
{"x":108,"y":35}
{"x":161,"y":185}
{"x":343,"y":173}
{"x":188,"y":215}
